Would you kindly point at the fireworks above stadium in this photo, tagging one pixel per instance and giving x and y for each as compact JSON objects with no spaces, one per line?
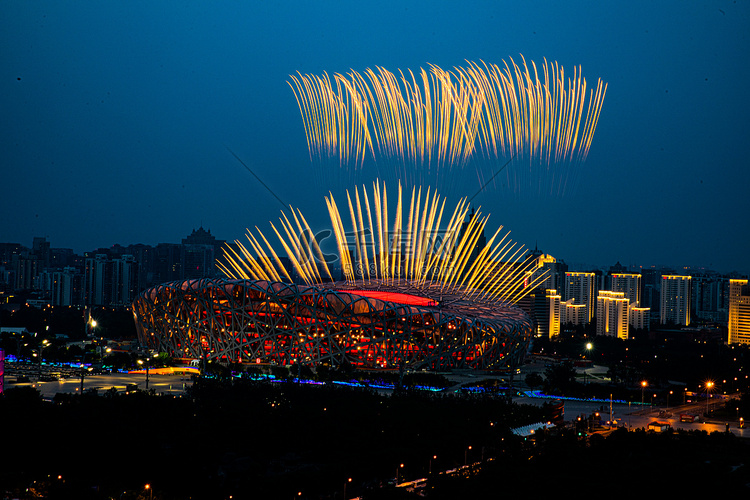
{"x":433,"y":120}
{"x":415,"y":249}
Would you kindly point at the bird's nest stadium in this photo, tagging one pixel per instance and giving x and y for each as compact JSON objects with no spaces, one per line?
{"x":380,"y":326}
{"x":414,"y":294}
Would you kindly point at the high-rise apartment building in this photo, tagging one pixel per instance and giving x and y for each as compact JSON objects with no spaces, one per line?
{"x":629,"y":284}
{"x":199,"y":252}
{"x":573,"y":313}
{"x":553,"y":306}
{"x":97,"y":280}
{"x":41,"y":250}
{"x":651,"y":291}
{"x":675,"y":299}
{"x":709,"y":293}
{"x":549,"y":269}
{"x":739,"y":311}
{"x":110,"y":282}
{"x":66,"y":287}
{"x":125,"y":280}
{"x":612,"y":314}
{"x":640,"y":318}
{"x":168,"y":265}
{"x":580,"y":286}
{"x":26,"y":270}
{"x":198,"y":261}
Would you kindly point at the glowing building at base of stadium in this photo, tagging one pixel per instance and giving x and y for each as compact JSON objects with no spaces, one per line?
{"x":379,"y":326}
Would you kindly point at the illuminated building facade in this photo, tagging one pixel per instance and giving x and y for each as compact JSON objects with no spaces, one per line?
{"x":552,"y":270}
{"x":553,"y":304}
{"x":575,"y":314}
{"x":675,"y":299}
{"x":378,"y":325}
{"x":630,"y":285}
{"x":612,"y":314}
{"x":640,"y":317}
{"x":580,"y":286}
{"x":739,"y":311}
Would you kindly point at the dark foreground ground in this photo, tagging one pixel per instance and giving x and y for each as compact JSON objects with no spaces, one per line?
{"x":284,"y":440}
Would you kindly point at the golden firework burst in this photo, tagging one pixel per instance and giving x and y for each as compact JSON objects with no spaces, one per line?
{"x":413,"y":247}
{"x":437,"y":117}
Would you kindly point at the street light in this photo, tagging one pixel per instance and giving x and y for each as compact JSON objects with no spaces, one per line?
{"x":347,"y":481}
{"x":589,"y":346}
{"x":89,"y":327}
{"x":19,"y":340}
{"x":42,"y":345}
{"x":140,"y":362}
{"x":150,"y":491}
{"x":397,"y":469}
{"x":83,"y":366}
{"x":709,"y":384}
{"x":466,"y":454}
{"x":643,"y":388}
{"x":434,"y":457}
{"x":103,"y":349}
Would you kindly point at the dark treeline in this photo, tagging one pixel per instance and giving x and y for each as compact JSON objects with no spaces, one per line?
{"x":657,"y":357}
{"x":636,"y":464}
{"x":248,"y":439}
{"x":70,"y":322}
{"x":273,"y":440}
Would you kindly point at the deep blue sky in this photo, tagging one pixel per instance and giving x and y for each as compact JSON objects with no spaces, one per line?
{"x":115,"y":116}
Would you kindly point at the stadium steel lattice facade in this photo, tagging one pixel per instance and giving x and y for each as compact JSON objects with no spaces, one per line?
{"x":381,"y":325}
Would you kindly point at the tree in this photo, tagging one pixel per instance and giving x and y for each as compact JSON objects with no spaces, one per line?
{"x":533,"y":380}
{"x":22,"y":397}
{"x":280,"y":372}
{"x":323,"y":372}
{"x":561,"y":378}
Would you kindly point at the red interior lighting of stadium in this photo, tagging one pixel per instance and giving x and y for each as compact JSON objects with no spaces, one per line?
{"x":398,"y":298}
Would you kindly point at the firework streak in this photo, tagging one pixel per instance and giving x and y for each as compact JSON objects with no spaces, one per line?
{"x":415,"y":248}
{"x":437,"y":117}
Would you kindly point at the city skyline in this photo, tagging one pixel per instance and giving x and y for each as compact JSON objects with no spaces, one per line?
{"x":118,"y":119}
{"x":573,"y":264}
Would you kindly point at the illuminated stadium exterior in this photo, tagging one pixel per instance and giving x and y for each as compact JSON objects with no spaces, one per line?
{"x":416,"y":294}
{"x":381,"y":325}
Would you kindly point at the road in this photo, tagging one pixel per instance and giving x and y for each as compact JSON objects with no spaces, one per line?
{"x":162,"y":384}
{"x":636,"y":416}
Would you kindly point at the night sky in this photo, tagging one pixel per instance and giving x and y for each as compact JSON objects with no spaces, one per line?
{"x":116,"y":117}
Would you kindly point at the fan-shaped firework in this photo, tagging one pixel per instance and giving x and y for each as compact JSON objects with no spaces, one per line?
{"x":436,"y":118}
{"x":413,"y":249}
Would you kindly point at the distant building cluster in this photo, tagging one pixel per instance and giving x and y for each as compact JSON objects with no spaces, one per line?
{"x":621,"y":300}
{"x":106,"y":276}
